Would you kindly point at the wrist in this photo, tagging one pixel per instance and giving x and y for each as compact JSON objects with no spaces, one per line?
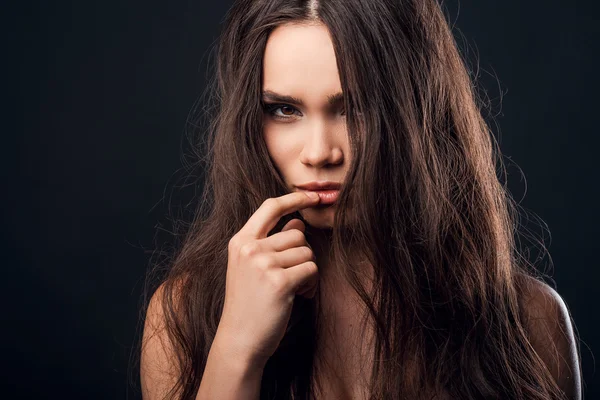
{"x":239,"y":358}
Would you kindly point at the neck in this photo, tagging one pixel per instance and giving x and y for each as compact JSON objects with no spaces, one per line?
{"x":331,"y":274}
{"x":320,"y":241}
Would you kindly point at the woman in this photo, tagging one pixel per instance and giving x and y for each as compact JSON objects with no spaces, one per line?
{"x":403,"y":280}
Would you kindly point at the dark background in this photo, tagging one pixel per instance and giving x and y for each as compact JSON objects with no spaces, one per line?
{"x":96,"y":98}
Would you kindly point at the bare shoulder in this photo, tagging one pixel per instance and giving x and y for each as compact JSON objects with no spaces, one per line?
{"x":158,"y":369}
{"x":549,"y":324}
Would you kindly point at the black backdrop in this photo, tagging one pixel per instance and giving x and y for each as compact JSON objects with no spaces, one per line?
{"x":96,"y":97}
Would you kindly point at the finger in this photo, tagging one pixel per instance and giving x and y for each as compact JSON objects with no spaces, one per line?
{"x":270,"y":212}
{"x":303,"y":275}
{"x":294,"y":224}
{"x":294,"y":256}
{"x":282,"y":241}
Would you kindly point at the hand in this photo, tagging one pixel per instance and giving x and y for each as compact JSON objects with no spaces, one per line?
{"x":264,"y":274}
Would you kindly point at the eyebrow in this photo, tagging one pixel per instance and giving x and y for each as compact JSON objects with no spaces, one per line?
{"x":269,"y":95}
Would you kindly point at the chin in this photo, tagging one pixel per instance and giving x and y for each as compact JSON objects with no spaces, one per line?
{"x":320,"y":218}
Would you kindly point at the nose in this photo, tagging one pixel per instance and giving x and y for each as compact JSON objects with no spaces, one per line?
{"x":322,"y":146}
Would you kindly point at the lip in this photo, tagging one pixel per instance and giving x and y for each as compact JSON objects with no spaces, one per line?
{"x":327,"y":196}
{"x":320,"y":186}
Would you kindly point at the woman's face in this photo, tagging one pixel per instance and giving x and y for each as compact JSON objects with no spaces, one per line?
{"x":307,"y":142}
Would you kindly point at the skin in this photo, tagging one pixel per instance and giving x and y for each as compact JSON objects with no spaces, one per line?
{"x":306,"y":142}
{"x":312,"y":145}
{"x":309,"y":142}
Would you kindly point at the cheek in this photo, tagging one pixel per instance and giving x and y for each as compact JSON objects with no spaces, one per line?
{"x":281,"y":149}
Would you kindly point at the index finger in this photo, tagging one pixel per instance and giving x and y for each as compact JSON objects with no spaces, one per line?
{"x":268,"y":214}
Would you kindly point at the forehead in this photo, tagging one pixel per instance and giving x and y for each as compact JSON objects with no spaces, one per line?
{"x":300,"y":60}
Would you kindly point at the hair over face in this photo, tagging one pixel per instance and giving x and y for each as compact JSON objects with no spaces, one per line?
{"x":421,"y":202}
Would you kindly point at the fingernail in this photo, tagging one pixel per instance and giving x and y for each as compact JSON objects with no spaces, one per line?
{"x":312,"y":195}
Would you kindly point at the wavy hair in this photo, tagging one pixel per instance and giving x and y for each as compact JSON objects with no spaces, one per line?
{"x":423,"y":202}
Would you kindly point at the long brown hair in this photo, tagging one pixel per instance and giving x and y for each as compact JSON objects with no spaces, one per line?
{"x":422,"y":201}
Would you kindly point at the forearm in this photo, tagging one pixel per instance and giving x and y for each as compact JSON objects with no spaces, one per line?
{"x":228,"y":376}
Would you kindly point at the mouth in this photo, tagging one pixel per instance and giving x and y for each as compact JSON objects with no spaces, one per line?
{"x":320,"y":185}
{"x":327,"y":197}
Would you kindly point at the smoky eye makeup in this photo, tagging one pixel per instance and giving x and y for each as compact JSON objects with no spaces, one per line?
{"x":272,"y":110}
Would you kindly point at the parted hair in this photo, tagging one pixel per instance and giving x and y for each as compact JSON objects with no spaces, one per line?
{"x":425,"y":201}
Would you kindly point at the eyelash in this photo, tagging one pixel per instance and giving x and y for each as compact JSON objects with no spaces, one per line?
{"x":272,"y":107}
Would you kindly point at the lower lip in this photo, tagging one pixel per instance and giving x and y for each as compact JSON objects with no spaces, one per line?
{"x":327,"y":196}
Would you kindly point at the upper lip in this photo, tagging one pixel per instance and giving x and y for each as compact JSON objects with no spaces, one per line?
{"x":321,"y":185}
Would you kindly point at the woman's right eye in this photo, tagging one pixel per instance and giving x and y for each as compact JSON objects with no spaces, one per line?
{"x":271,"y":108}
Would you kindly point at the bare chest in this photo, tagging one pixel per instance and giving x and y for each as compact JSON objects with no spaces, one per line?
{"x":344,"y":360}
{"x":344,"y":357}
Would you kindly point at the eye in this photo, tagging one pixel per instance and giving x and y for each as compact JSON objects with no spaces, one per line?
{"x":271,"y":108}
